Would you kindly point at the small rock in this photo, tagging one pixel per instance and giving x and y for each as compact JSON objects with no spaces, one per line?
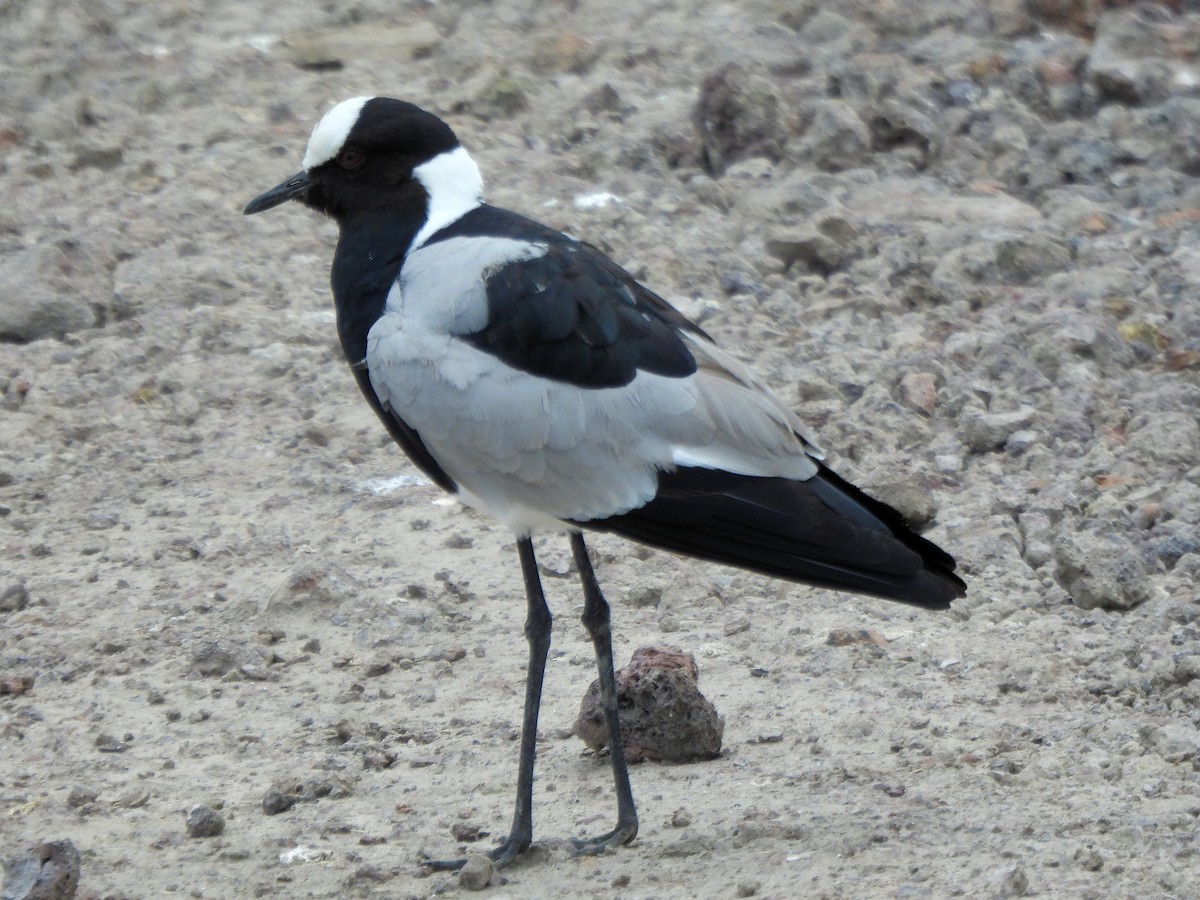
{"x":48,"y":871}
{"x":681,"y":818}
{"x":984,"y":431}
{"x":477,"y":873}
{"x":204,"y":821}
{"x":134,"y":798}
{"x":211,"y":661}
{"x":13,"y":598}
{"x":844,"y":637}
{"x":107,"y":743}
{"x":644,"y":596}
{"x":15,"y":685}
{"x":747,"y":888}
{"x":466,"y":833}
{"x":1132,"y":60}
{"x":1089,"y":858}
{"x":1026,"y":258}
{"x":738,"y":115}
{"x":81,"y":796}
{"x":1014,"y":883}
{"x":737,"y":626}
{"x":908,"y":493}
{"x":1100,"y":570}
{"x":104,"y":157}
{"x":663,"y":714}
{"x":275,"y":802}
{"x":838,"y":138}
{"x":899,"y":127}
{"x":373,"y":874}
{"x":1020,"y":441}
{"x":312,"y":586}
{"x":918,"y":390}
{"x":1187,"y":669}
{"x":804,"y":248}
{"x":378,"y":667}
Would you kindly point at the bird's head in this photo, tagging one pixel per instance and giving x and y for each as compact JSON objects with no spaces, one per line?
{"x":375,"y":153}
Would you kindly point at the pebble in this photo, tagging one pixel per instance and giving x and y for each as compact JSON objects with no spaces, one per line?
{"x":982,"y":431}
{"x":13,"y":598}
{"x":918,"y":390}
{"x":204,"y":822}
{"x":81,"y":796}
{"x":1014,"y":883}
{"x":275,"y":802}
{"x":477,"y":873}
{"x":837,"y":138}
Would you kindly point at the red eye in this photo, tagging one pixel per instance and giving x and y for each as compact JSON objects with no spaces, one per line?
{"x":351,"y":158}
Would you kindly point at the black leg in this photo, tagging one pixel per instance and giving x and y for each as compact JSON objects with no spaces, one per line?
{"x":596,"y":620}
{"x":537,"y":633}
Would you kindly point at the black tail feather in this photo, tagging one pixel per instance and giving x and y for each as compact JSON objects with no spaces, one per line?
{"x":823,"y":531}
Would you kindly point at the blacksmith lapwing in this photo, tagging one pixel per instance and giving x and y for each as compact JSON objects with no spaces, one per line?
{"x":532,"y":377}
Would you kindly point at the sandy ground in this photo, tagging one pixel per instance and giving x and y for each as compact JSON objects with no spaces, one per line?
{"x":961,"y":239}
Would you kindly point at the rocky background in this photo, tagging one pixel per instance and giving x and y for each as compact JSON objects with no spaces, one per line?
{"x":246,"y":651}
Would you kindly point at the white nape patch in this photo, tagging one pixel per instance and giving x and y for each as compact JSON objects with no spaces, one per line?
{"x":454,"y":186}
{"x":331,"y":132}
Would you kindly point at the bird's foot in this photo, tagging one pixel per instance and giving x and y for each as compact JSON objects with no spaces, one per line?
{"x":500,"y":856}
{"x":622,"y":834}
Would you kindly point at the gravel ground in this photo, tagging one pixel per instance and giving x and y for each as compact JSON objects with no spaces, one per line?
{"x":246,"y":651}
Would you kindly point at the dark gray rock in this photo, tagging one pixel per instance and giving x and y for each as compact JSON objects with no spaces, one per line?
{"x":738,"y":115}
{"x":1131,"y":60}
{"x":47,"y":871}
{"x":837,"y":138}
{"x":42,"y":295}
{"x":984,"y":431}
{"x":13,"y":598}
{"x":1024,"y":258}
{"x":204,"y":822}
{"x":1100,"y":569}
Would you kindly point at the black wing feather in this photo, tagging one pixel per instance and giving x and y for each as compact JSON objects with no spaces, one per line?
{"x":823,"y":531}
{"x":572,"y":314}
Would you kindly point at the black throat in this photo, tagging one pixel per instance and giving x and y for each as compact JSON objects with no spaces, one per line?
{"x":371,"y":249}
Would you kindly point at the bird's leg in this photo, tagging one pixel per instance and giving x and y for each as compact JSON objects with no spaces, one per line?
{"x":596,"y":620}
{"x":537,"y":633}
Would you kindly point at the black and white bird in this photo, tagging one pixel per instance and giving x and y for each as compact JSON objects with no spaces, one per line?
{"x":528,"y":374}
